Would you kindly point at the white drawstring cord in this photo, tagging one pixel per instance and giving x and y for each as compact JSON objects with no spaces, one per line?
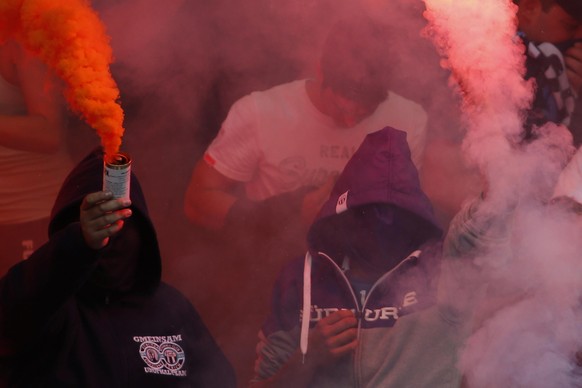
{"x":306,"y":305}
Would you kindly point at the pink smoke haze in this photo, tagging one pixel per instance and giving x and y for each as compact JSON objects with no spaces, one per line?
{"x":477,"y":38}
{"x":526,"y":327}
{"x":181,"y":65}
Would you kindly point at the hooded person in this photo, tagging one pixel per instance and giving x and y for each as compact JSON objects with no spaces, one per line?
{"x":89,"y":309}
{"x":361,"y":308}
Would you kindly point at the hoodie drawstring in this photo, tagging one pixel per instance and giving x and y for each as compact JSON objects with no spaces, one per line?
{"x":306,"y":305}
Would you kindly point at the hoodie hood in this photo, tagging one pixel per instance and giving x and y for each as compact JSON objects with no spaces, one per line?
{"x":380,"y":172}
{"x":86,"y":178}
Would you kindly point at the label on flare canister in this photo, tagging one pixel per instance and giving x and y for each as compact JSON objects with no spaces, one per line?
{"x":117,"y":174}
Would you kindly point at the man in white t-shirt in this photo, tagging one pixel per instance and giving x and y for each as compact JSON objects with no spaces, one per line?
{"x":272,"y":166}
{"x":286,"y":145}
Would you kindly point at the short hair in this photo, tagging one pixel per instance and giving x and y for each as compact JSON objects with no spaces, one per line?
{"x":354,"y":60}
{"x":572,"y":7}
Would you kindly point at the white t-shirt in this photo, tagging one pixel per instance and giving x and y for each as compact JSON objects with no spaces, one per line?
{"x":570,"y":180}
{"x":277,"y":141}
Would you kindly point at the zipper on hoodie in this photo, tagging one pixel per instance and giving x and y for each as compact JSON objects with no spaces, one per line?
{"x":360,"y":312}
{"x":357,"y":308}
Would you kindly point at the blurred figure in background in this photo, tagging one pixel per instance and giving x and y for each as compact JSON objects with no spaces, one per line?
{"x":549,"y":29}
{"x":88,"y":308}
{"x":273,"y":164}
{"x":33,"y":154}
{"x":282,"y":145}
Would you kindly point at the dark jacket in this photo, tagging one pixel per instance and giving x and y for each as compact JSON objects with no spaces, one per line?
{"x":404,"y":340}
{"x":58,"y":330}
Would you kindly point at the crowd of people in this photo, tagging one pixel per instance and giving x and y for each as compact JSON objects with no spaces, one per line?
{"x":315,"y":185}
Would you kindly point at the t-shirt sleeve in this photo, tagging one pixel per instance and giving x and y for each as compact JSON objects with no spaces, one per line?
{"x":234,"y":152}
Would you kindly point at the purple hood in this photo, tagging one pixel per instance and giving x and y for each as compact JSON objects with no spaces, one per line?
{"x":380,"y":172}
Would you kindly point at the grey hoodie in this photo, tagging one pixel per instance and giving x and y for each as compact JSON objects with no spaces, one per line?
{"x":404,"y":340}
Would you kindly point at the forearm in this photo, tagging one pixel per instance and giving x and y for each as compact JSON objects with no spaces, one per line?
{"x":32,"y":133}
{"x":209,"y":196}
{"x":217,"y":209}
{"x":281,"y":211}
{"x":332,"y":341}
{"x":294,"y":374}
{"x":208,"y":208}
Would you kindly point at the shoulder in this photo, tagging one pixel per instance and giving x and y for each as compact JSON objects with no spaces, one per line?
{"x":396,"y":100}
{"x":165,"y":290}
{"x":253,"y":107}
{"x":289,"y":285}
{"x":282,"y":89}
{"x":170,"y":304}
{"x":288,"y":288}
{"x":288,"y":91}
{"x":292,"y":271}
{"x":167,"y":294}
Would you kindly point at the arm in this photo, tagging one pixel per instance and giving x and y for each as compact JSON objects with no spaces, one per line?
{"x":211,"y":202}
{"x":210,"y":193}
{"x":209,"y":197}
{"x":214,"y":197}
{"x":332,"y":339}
{"x":480,"y":230}
{"x":40,"y":129}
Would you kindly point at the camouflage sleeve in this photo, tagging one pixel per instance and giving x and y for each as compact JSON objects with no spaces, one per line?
{"x":477,"y":236}
{"x":477,"y":229}
{"x":273,"y":351}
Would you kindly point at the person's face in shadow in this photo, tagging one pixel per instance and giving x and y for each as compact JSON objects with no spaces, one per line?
{"x":380,"y":237}
{"x":552,"y":25}
{"x":117,"y":268}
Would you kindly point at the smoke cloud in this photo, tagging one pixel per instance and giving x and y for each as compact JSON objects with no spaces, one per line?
{"x":180,"y":64}
{"x":527,"y":287}
{"x":70,"y":38}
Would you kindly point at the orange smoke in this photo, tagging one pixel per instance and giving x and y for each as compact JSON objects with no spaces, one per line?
{"x":70,"y":38}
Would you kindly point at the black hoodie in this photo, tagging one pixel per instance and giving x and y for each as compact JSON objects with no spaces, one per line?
{"x":59,"y":330}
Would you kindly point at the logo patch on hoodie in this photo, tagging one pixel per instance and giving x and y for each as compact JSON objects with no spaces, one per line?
{"x":342,"y":203}
{"x":162,"y":354}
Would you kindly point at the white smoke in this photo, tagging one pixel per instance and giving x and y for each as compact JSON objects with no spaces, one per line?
{"x":526,"y":328}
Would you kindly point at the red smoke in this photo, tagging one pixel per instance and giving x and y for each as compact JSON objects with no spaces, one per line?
{"x":70,"y":38}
